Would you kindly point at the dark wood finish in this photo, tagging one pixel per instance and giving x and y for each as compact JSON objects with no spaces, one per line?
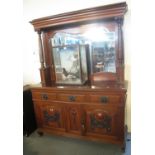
{"x":120,"y":56}
{"x":71,"y":97}
{"x":95,"y":110}
{"x":73,"y":114}
{"x":45,"y":76}
{"x":101,"y":120}
{"x":112,"y":18}
{"x":76,"y":113}
{"x":104,"y":98}
{"x":52,"y":116}
{"x":91,"y":14}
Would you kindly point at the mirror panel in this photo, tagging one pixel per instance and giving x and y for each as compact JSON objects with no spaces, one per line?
{"x":70,"y":52}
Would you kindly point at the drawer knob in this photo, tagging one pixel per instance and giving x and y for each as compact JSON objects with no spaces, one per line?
{"x":71,"y":98}
{"x":104,"y":99}
{"x":44,"y":96}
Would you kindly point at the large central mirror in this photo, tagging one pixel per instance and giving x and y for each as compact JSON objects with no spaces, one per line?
{"x":73,"y":47}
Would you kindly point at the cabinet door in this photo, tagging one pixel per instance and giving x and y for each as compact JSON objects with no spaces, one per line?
{"x":100,"y":120}
{"x":52,"y":116}
{"x":73,"y":118}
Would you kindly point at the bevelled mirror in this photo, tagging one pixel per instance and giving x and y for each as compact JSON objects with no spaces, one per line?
{"x":74,"y":47}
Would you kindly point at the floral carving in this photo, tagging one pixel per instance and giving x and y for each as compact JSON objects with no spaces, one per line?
{"x":100,"y":120}
{"x":52,"y":118}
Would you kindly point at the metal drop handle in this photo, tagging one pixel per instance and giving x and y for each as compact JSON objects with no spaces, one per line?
{"x":104,"y":99}
{"x":72,"y":98}
{"x":44,"y":96}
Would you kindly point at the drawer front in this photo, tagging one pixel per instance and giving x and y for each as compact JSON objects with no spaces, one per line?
{"x":44,"y":96}
{"x":71,"y":97}
{"x":103,"y":98}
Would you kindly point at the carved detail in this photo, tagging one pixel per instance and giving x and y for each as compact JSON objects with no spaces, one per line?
{"x":52,"y":118}
{"x":83,"y":128}
{"x":100,"y":120}
{"x":73,"y":112}
{"x":40,"y":50}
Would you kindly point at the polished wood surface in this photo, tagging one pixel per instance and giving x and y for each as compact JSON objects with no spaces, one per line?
{"x":95,"y":110}
{"x":75,"y":114}
{"x":85,"y":15}
{"x":112,"y":17}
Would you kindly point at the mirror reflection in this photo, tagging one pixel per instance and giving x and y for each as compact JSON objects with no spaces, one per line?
{"x":70,"y":64}
{"x":70,"y":47}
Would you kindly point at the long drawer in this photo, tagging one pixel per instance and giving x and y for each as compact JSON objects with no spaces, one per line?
{"x":71,"y":97}
{"x":44,"y":96}
{"x":104,"y":98}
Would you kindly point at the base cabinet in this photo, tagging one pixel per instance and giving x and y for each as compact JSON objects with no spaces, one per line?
{"x":96,"y":115}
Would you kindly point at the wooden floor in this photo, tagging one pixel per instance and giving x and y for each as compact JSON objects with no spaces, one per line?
{"x":54,"y":145}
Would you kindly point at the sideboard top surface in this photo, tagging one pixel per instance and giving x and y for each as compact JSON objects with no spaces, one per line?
{"x":119,"y":87}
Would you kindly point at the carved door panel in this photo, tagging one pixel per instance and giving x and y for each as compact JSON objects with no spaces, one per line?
{"x":52,"y":116}
{"x":74,"y":119}
{"x":100,"y":120}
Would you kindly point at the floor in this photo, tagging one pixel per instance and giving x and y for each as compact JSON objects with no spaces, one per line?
{"x":54,"y":145}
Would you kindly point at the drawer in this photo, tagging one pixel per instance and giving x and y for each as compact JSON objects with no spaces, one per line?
{"x":71,"y":98}
{"x":44,"y":96}
{"x":102,"y":98}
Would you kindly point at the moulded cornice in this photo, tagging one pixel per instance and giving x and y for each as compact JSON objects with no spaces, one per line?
{"x":85,"y":15}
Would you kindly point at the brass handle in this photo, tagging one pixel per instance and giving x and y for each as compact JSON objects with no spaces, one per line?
{"x":104,"y":99}
{"x":44,"y":96}
{"x":72,"y":98}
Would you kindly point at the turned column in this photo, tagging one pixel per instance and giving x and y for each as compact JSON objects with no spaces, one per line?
{"x":120,"y":56}
{"x":44,"y":71}
{"x":41,"y":50}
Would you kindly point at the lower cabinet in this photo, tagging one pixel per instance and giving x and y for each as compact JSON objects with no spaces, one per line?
{"x":101,"y":119}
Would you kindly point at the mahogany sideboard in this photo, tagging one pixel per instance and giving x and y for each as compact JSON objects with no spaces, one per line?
{"x":82,"y":92}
